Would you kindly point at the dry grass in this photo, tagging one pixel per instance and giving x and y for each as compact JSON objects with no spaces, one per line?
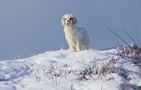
{"x":132,"y":51}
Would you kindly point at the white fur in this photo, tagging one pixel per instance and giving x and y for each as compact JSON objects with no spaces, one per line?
{"x":77,"y":37}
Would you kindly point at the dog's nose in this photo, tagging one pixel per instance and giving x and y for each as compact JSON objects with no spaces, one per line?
{"x":68,"y":20}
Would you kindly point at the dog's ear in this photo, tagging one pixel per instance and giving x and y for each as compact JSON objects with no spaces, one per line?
{"x":62,"y":21}
{"x":74,"y":20}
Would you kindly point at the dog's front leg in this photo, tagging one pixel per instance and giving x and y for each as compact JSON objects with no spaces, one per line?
{"x":79,"y":46}
{"x":72,"y":48}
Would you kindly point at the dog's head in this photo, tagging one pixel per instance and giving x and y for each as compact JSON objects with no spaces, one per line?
{"x":68,"y":20}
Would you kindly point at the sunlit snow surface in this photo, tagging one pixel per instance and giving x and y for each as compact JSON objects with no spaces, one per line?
{"x":60,"y":70}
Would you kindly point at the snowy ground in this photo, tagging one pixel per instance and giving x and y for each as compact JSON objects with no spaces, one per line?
{"x":66,"y":70}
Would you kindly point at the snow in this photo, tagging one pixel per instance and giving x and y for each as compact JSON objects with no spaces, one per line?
{"x":64,"y":70}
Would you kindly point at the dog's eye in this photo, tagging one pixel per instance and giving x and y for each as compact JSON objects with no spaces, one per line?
{"x":71,"y":18}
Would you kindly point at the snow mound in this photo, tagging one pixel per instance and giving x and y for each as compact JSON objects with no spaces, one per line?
{"x":66,"y":70}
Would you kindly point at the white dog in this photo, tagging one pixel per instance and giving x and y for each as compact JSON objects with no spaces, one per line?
{"x":77,"y":37}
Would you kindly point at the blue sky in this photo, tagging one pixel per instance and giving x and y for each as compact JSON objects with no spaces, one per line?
{"x":31,"y":26}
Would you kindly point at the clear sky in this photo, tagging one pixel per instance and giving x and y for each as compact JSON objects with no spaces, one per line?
{"x":31,"y":26}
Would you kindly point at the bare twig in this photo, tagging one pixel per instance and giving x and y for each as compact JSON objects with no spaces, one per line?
{"x":102,"y":87}
{"x":71,"y":86}
{"x":120,"y":46}
{"x":117,"y":36}
{"x":129,"y":35}
{"x":52,"y":80}
{"x":138,"y":37}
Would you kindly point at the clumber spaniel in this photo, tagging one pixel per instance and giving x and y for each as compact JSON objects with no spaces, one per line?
{"x":77,"y":37}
